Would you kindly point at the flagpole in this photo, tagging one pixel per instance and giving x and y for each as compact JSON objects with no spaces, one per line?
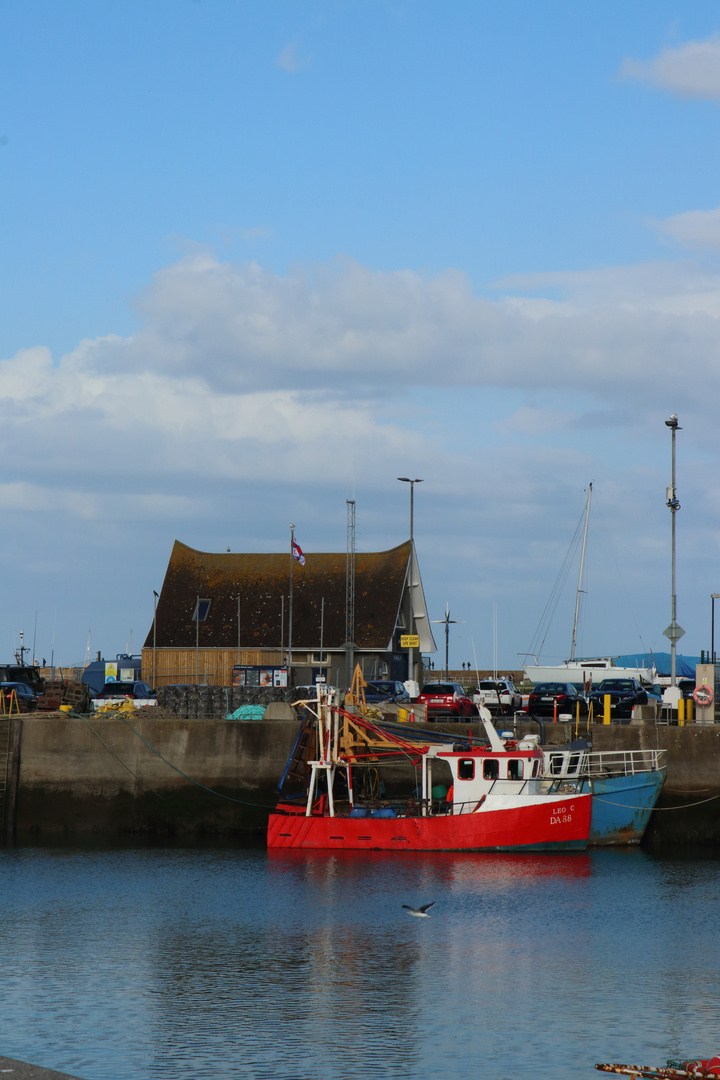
{"x":292,"y":560}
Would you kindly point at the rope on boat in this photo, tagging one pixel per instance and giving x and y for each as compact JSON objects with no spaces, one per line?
{"x":408,"y":748}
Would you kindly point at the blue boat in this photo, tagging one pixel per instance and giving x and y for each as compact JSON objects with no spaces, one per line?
{"x":625,"y":786}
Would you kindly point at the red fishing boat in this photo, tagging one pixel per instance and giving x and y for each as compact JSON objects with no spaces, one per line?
{"x":458,"y":796}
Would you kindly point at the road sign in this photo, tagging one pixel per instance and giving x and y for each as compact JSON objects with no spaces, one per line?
{"x":409,"y":641}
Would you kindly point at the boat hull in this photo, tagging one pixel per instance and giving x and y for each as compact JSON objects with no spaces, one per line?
{"x":622,"y":806}
{"x":579,"y":672}
{"x":557,"y":824}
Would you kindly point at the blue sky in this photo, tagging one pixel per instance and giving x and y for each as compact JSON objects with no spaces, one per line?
{"x":255,"y":256}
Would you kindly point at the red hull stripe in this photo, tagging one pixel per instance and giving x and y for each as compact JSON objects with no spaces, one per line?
{"x":550,"y":825}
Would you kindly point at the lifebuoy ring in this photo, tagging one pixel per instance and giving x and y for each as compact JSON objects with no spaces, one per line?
{"x":703,"y":695}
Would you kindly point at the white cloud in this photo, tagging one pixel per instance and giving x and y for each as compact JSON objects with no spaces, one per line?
{"x":242,"y":380}
{"x":242,"y":373}
{"x":213,"y":330}
{"x":246,"y":394}
{"x":696,"y":230}
{"x":691,"y":70}
{"x":530,"y":421}
{"x":290,"y":60}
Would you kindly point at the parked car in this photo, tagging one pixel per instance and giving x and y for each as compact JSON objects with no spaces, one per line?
{"x":499,"y":696}
{"x":446,"y":701}
{"x":625,"y":694}
{"x":118,"y":691}
{"x":546,"y":697}
{"x":386,"y":691}
{"x":26,"y":696}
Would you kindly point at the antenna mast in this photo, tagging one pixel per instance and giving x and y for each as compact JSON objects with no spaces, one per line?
{"x":350,"y":573}
{"x":582,"y":564}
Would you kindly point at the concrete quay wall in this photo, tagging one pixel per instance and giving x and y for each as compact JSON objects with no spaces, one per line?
{"x":70,"y":775}
{"x":151,"y":777}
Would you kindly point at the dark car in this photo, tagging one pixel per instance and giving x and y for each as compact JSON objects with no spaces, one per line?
{"x":549,"y":698}
{"x":386,"y":691}
{"x":24,"y":673}
{"x":624,"y":694}
{"x":25,"y":694}
{"x":446,"y":701}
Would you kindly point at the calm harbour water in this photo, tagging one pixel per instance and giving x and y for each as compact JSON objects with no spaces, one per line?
{"x":198,"y":963}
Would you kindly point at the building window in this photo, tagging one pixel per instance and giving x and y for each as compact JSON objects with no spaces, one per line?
{"x":320,"y":658}
{"x":200,"y":612}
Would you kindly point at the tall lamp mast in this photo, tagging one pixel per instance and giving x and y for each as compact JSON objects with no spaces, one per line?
{"x":674,"y":632}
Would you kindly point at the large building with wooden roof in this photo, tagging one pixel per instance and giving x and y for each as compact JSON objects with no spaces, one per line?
{"x":218,"y":612}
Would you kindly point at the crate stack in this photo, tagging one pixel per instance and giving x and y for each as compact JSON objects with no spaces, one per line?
{"x":214,"y":702}
{"x":63,"y":692}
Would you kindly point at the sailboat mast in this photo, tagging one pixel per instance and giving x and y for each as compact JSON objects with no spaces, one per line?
{"x":580,"y":575}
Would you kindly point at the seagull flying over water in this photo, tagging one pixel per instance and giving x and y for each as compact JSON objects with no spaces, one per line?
{"x":421,"y":912}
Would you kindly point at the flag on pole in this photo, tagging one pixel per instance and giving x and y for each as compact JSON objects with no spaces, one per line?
{"x":297,"y":553}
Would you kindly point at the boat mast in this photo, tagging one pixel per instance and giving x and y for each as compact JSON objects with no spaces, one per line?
{"x":580,"y":575}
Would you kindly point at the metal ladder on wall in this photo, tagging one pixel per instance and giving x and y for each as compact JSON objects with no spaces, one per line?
{"x":8,"y":707}
{"x":5,"y":729}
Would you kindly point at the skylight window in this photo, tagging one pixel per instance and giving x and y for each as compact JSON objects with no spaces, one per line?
{"x":202,"y":607}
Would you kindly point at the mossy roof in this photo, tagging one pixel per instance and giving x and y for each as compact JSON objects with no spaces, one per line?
{"x":260,"y":581}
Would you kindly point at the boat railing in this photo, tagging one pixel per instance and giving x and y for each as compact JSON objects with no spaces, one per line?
{"x":564,"y":764}
{"x":623,"y":762}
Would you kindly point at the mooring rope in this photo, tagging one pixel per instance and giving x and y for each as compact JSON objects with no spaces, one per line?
{"x":113,"y":754}
{"x":219,"y":794}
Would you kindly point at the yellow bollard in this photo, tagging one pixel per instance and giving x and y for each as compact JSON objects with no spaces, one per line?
{"x":606,"y":709}
{"x":681,"y":712}
{"x":689,"y":710}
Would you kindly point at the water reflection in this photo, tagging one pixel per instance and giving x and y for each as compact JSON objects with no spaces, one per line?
{"x":155,"y":964}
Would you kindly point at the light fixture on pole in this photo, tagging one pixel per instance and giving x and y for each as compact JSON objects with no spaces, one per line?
{"x":674,"y":632}
{"x":411,"y":651}
{"x":290,"y":600}
{"x":155,"y":600}
{"x":412,"y":483}
{"x":713,"y":597}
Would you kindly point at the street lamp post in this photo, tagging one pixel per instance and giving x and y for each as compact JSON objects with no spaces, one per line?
{"x":290,"y":600}
{"x":713,"y":597}
{"x":673,"y":632}
{"x":155,"y":600}
{"x":412,"y":483}
{"x":411,"y":652}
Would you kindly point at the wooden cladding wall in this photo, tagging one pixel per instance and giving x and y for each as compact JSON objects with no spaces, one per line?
{"x":212,"y":666}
